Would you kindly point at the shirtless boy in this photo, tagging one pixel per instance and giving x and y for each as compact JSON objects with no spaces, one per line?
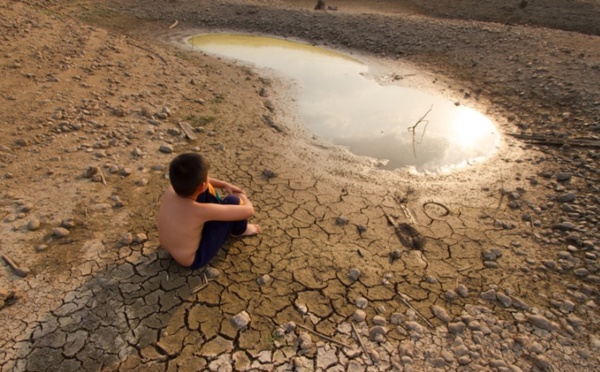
{"x":193,"y":222}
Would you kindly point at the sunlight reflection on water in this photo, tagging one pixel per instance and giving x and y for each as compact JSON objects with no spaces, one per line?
{"x":338,"y":103}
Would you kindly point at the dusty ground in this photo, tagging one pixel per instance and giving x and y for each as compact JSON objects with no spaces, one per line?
{"x":505,"y":276}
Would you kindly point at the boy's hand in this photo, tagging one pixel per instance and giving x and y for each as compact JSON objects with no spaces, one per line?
{"x":230,"y":189}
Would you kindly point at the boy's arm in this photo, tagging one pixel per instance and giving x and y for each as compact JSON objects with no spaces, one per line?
{"x":225,"y":186}
{"x":228,"y":212}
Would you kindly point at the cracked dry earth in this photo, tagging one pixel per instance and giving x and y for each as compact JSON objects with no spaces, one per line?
{"x":490,"y":268}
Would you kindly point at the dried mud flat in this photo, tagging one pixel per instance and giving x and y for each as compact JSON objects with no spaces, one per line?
{"x":494,"y":267}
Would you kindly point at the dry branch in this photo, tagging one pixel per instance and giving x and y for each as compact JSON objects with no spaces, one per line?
{"x":323,"y":336}
{"x":415,"y":310}
{"x":360,"y":341}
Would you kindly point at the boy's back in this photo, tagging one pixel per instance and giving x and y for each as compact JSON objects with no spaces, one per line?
{"x":180,"y":226}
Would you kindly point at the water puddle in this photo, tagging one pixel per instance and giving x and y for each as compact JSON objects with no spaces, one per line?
{"x":401,"y":127}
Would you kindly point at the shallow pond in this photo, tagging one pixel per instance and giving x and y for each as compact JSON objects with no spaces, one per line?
{"x":398,"y":126}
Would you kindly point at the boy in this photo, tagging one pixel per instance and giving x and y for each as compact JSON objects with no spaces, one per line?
{"x":193,"y":222}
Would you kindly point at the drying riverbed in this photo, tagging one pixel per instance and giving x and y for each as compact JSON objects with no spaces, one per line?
{"x":492,"y":266}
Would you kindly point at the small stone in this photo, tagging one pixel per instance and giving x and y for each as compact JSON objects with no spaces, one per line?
{"x":41,"y":248}
{"x":212,"y":272}
{"x":379,"y":320}
{"x":126,"y":171}
{"x":126,"y":239}
{"x":60,"y":232}
{"x":441,"y":313}
{"x":166,"y":148}
{"x":504,"y":299}
{"x":302,"y":308}
{"x":268,"y":173}
{"x":289,"y":327}
{"x":415,"y":327}
{"x":354,"y":274}
{"x":263,"y":280}
{"x":26,"y":208}
{"x":142,"y":182}
{"x":430,"y":279}
{"x":341,"y":220}
{"x":541,"y":322}
{"x":377,"y":334}
{"x":450,"y":295}
{"x":241,"y":320}
{"x":359,"y":315}
{"x":33,"y":224}
{"x":489,"y":295}
{"x":462,"y":291}
{"x":362,"y":303}
{"x":304,"y":341}
{"x":566,"y":198}
{"x":396,"y":318}
{"x":457,"y":327}
{"x":396,"y":254}
{"x":69,"y":223}
{"x":140,"y":238}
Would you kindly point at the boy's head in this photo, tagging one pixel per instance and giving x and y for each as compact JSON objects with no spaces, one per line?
{"x":187,"y":172}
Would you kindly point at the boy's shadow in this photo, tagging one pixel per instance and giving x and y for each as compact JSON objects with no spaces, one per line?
{"x":119,"y":312}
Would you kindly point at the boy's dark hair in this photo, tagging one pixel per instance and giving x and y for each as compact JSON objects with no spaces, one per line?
{"x":187,"y":172}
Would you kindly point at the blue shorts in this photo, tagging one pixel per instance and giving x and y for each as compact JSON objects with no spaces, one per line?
{"x":215,"y":233}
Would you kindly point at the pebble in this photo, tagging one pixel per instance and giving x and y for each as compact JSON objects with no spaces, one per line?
{"x":504,"y":299}
{"x":450,"y":295}
{"x":441,"y":313}
{"x":566,"y":198}
{"x":379,"y":320}
{"x":33,"y":224}
{"x":212,"y":272}
{"x":166,"y":148}
{"x":541,"y":322}
{"x":456,"y":327}
{"x":396,"y":318}
{"x":60,"y":232}
{"x":263,"y":280}
{"x":41,"y":248}
{"x":341,"y":220}
{"x":241,"y":320}
{"x":304,"y":341}
{"x":361,"y":302}
{"x":354,"y":274}
{"x":489,"y":295}
{"x":268,"y":173}
{"x":462,"y":291}
{"x":359,"y":315}
{"x":377,"y":334}
{"x":140,"y":238}
{"x":126,"y":239}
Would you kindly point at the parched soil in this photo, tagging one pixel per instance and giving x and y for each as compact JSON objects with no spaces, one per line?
{"x":491,"y":267}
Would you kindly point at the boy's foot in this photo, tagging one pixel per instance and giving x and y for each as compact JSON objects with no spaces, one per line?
{"x":252,"y":229}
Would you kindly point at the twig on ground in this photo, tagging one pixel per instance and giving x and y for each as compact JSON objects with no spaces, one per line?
{"x":323,"y":336}
{"x":199,"y":288}
{"x":466,"y":268}
{"x":360,"y":341}
{"x":174,"y":25}
{"x":415,"y":310}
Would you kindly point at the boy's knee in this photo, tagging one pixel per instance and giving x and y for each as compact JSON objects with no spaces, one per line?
{"x":231,"y":199}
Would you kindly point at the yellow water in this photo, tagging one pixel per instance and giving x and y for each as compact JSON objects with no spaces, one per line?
{"x":340,"y":104}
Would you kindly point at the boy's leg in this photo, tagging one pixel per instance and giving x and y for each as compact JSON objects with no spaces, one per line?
{"x":239,"y":227}
{"x":215,"y":233}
